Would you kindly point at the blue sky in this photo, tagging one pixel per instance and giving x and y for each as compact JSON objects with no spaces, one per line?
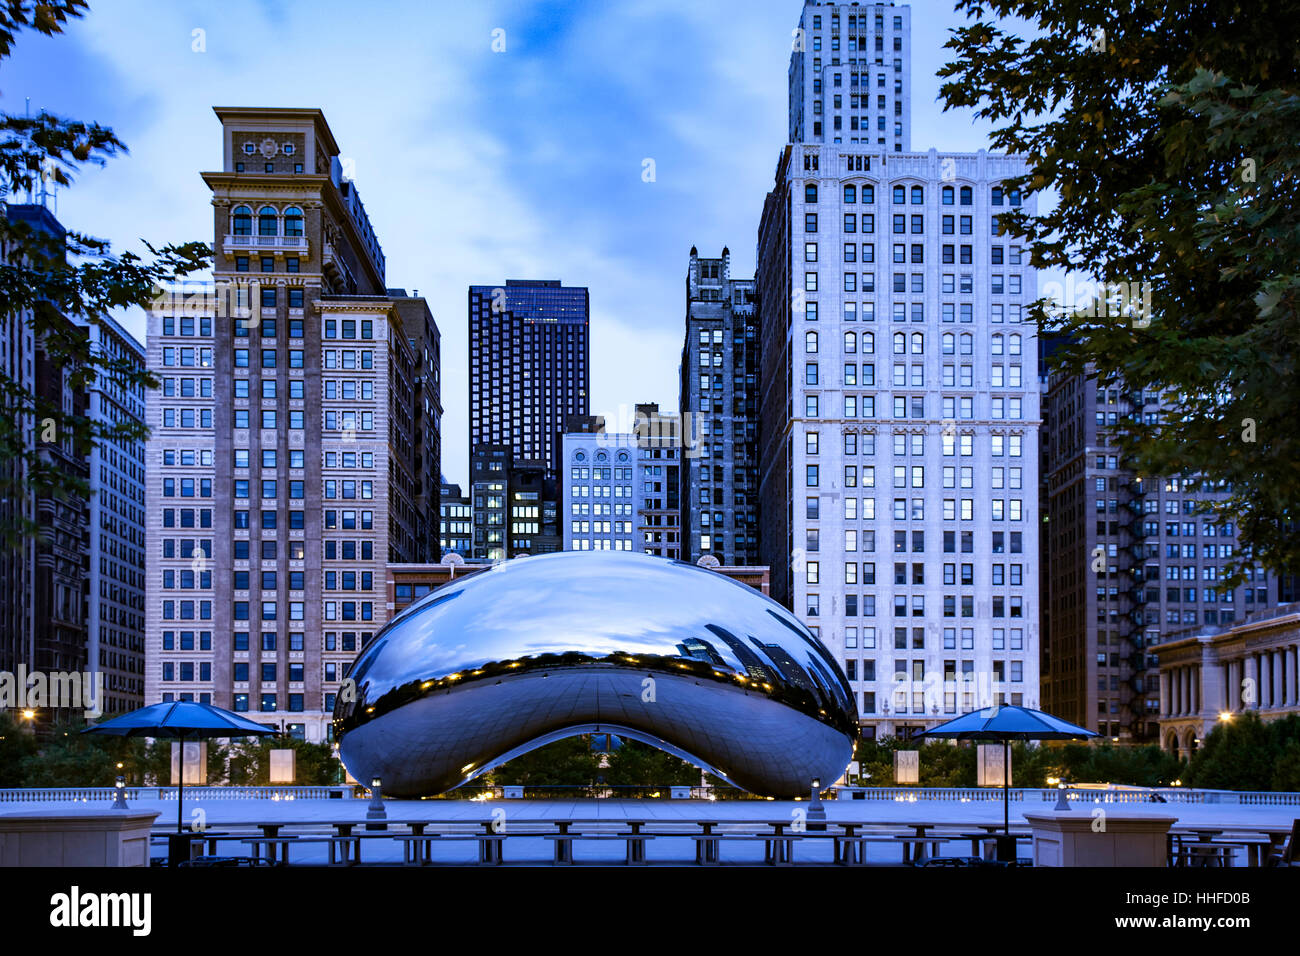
{"x":475,"y":166}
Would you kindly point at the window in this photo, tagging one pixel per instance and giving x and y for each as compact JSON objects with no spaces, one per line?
{"x":268,"y":223}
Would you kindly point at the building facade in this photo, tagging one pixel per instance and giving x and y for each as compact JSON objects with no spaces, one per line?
{"x":1128,"y":561}
{"x":622,"y":491}
{"x":528,"y":365}
{"x":115,"y":579}
{"x":899,"y":413}
{"x":1215,"y":673}
{"x":719,"y":414}
{"x":850,"y":76}
{"x":291,"y":443}
{"x":455,"y":521}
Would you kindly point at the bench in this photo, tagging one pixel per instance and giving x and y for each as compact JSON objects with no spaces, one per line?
{"x":635,"y":844}
{"x":224,"y":861}
{"x":283,"y":843}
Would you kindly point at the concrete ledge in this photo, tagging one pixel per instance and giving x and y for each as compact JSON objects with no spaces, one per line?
{"x":1078,"y":838}
{"x":86,"y":837}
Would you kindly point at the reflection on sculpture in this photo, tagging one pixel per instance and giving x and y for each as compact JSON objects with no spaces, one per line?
{"x":545,"y":647}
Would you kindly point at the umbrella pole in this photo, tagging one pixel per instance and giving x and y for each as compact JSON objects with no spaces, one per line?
{"x":1006,"y":790}
{"x":180,"y":788}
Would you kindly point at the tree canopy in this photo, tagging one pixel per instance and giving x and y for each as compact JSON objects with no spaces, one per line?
{"x":59,"y":284}
{"x":1167,"y":130}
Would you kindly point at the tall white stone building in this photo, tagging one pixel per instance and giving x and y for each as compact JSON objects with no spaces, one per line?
{"x":850,"y":76}
{"x":898,"y":412}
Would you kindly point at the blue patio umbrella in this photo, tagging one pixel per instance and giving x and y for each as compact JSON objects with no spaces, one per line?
{"x":181,"y":720}
{"x":1007,"y":724}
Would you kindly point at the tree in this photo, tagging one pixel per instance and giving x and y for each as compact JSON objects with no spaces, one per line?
{"x":1103,"y":763}
{"x":635,"y":764}
{"x":314,"y":763}
{"x":568,"y":762}
{"x":59,"y":283}
{"x":1168,"y":132}
{"x":1237,"y":754}
{"x":16,"y":744}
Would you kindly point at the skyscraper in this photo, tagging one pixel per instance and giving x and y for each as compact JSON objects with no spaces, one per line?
{"x":115,"y":577}
{"x":719,"y":406}
{"x":72,"y":596}
{"x":293,"y":440}
{"x":894,"y":358}
{"x":850,"y":76}
{"x":528,"y":366}
{"x":1129,"y":562}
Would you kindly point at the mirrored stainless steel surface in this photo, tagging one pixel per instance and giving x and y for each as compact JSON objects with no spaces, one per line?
{"x":540,"y":648}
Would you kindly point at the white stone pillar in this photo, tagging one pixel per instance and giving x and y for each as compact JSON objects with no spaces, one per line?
{"x":1293,"y":659}
{"x":1278,"y":697}
{"x":1252,"y":675}
{"x":1164,"y":694}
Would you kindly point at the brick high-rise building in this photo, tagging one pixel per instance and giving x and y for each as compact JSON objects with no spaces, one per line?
{"x":719,"y":406}
{"x":294,"y":443}
{"x":115,"y":578}
{"x":1130,"y":561}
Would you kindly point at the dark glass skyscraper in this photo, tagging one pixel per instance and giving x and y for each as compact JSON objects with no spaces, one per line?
{"x":528,"y":365}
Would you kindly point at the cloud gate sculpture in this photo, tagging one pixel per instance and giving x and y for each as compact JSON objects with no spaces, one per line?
{"x":546,"y":647}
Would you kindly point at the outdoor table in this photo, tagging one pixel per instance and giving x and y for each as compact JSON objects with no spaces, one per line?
{"x":919,"y":829}
{"x":343,"y":828}
{"x":271,"y":830}
{"x":1277,"y":836}
{"x":564,"y":845}
{"x":1255,"y":848}
{"x":777,"y":847}
{"x":271,"y":841}
{"x":411,"y":852}
{"x":635,"y":846}
{"x":847,"y":849}
{"x":490,"y":850}
{"x":706,"y":851}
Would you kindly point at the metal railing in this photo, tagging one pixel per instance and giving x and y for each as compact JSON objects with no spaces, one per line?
{"x":1084,"y":794}
{"x":96,"y":794}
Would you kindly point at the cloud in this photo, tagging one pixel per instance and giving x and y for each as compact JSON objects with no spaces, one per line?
{"x":475,"y":166}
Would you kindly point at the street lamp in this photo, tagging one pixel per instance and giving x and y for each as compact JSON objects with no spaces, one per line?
{"x":816,"y":812}
{"x":376,"y":811}
{"x":119,"y":793}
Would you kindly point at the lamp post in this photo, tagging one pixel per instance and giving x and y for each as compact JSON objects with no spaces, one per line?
{"x":1062,"y":802}
{"x":816,"y":812}
{"x":119,"y":794}
{"x":375,"y":810}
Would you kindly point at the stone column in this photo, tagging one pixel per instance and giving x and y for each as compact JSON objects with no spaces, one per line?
{"x":1252,"y":675}
{"x":1164,"y":694}
{"x":1278,"y":697}
{"x":1292,"y":660}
